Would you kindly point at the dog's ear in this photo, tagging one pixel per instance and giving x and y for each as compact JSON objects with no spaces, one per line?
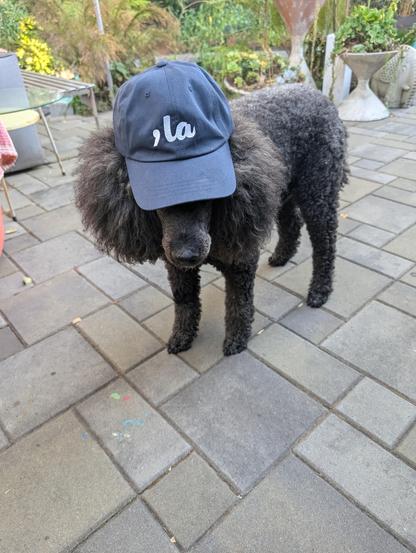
{"x":244,"y":220}
{"x":109,"y":211}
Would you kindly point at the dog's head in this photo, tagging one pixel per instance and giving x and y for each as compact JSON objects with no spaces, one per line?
{"x":186,"y":238}
{"x":228,"y":228}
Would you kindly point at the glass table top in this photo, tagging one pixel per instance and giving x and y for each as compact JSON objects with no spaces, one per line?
{"x":19,"y":99}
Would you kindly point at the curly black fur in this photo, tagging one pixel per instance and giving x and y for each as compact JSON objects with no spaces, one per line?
{"x":288,"y":149}
{"x":109,"y":212}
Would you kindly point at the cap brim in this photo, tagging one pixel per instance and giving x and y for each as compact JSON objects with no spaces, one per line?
{"x":166,"y":183}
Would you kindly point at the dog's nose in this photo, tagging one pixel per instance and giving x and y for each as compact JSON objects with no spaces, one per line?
{"x":187,"y":257}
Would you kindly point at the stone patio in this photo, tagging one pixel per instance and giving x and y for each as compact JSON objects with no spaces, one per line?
{"x":305,"y":443}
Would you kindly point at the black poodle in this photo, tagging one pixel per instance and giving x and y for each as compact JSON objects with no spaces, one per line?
{"x":289,"y":152}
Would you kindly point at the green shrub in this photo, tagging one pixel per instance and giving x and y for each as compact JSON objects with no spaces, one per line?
{"x":225,"y":22}
{"x":368,"y":30}
{"x":247,"y":69}
{"x":11,"y":14}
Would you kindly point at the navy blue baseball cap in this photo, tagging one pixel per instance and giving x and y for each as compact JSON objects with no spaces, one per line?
{"x":172,"y":124}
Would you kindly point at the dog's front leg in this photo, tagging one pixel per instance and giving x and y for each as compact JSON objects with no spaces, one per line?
{"x":186,"y":287}
{"x":239,"y":306}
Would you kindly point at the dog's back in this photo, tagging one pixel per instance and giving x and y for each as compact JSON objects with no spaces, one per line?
{"x":298,"y":119}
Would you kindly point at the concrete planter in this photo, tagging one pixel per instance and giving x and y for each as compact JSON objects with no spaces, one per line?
{"x":362,"y":104}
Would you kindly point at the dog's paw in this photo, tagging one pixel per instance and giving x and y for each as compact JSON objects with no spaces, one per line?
{"x":232,"y":346}
{"x":278,"y":260}
{"x":179,"y":342}
{"x":317,"y":298}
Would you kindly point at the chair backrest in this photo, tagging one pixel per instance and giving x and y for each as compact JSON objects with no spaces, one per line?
{"x":11,"y":77}
{"x":55,"y":83}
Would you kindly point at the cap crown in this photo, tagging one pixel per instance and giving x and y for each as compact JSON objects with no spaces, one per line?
{"x":174,"y":110}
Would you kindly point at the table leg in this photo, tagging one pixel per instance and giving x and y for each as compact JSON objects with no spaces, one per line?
{"x":6,"y":193}
{"x":58,"y":157}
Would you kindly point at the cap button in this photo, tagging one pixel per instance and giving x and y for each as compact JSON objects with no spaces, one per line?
{"x":161,"y":63}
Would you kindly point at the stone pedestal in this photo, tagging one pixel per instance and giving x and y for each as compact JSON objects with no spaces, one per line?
{"x":298,"y":16}
{"x":362,"y":104}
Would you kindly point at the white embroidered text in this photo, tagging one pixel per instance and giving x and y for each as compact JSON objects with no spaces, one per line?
{"x":182,"y":131}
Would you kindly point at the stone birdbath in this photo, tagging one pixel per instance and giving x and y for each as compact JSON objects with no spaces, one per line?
{"x":362,"y":104}
{"x":298,"y":16}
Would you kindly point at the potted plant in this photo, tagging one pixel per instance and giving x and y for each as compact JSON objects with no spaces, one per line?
{"x":366,"y":40}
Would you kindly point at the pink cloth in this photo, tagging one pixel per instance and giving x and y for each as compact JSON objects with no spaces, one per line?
{"x":8,"y":154}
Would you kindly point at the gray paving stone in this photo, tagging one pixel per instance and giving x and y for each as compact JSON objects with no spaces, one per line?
{"x":234,"y":414}
{"x":410,"y":277}
{"x":401,"y":296}
{"x":383,"y":213}
{"x":31,"y":186}
{"x":60,"y":486}
{"x":189,"y":499}
{"x":12,"y":229}
{"x":405,"y":168}
{"x":353,"y":285}
{"x":134,"y":530}
{"x":303,"y":362}
{"x":6,"y":267}
{"x":139,"y":439}
{"x":371,"y":235}
{"x":357,"y":188}
{"x":304,"y":249}
{"x":51,"y":174}
{"x":11,"y":285}
{"x":3,"y":443}
{"x":29,"y":211}
{"x":397,"y":195}
{"x":373,"y":258}
{"x":20,"y":243}
{"x":56,"y":222}
{"x":161,"y":376}
{"x":55,"y":256}
{"x":376,"y":152}
{"x":294,"y":510}
{"x":378,"y":410}
{"x":48,"y":307}
{"x":119,"y":337}
{"x":267,"y":271}
{"x":114,"y":279}
{"x":346,"y":225}
{"x":48,"y":377}
{"x":54,"y":197}
{"x":155,"y":274}
{"x":17,"y":198}
{"x":145,"y":302}
{"x":206,"y":349}
{"x":377,"y":339}
{"x":378,"y":481}
{"x":18,"y":180}
{"x":312,"y":324}
{"x":404,"y":184}
{"x":404,"y":245}
{"x":9,"y":343}
{"x":407,"y":448}
{"x":399,"y":128}
{"x":391,"y":143}
{"x":271,"y":300}
{"x":369,"y":164}
{"x":376,"y":176}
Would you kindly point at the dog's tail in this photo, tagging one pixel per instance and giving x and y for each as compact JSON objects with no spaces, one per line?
{"x":108,"y":209}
